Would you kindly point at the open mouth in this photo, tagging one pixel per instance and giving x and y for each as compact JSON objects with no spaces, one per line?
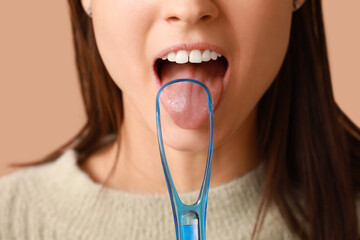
{"x":186,"y":103}
{"x":159,"y":64}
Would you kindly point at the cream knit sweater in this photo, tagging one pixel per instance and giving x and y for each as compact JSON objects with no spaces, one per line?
{"x":56,"y":201}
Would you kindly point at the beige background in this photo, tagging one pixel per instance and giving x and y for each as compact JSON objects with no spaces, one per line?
{"x":40,"y":100}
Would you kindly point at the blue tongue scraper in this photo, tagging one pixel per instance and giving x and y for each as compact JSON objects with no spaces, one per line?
{"x":190,"y":220}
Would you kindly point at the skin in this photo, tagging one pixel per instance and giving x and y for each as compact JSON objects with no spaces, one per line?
{"x":254,"y":35}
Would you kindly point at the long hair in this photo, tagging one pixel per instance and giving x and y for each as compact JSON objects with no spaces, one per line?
{"x":311,"y":148}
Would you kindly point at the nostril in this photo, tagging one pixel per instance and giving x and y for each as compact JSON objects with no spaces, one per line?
{"x":205,"y":18}
{"x":173,"y":19}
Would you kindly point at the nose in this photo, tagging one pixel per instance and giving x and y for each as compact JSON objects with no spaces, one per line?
{"x":189,"y":11}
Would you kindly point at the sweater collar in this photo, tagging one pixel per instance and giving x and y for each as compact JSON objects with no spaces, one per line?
{"x":232,"y":205}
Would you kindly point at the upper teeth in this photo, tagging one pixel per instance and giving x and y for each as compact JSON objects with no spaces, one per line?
{"x":195,"y":56}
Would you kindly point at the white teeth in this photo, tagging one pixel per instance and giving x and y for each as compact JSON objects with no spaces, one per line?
{"x":195,"y":56}
{"x":214,"y":55}
{"x":206,"y":56}
{"x":182,"y":57}
{"x":172,"y":57}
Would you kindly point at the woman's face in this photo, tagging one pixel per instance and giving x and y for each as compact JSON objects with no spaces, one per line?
{"x":252,"y":35}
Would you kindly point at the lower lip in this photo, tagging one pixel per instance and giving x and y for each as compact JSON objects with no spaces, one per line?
{"x":226,"y":79}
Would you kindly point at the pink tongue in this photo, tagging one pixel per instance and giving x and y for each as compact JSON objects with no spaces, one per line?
{"x":187,"y":102}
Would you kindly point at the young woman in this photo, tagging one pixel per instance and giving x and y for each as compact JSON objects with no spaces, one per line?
{"x":286,"y":159}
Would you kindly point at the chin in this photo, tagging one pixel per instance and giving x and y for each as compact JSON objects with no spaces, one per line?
{"x":194,"y":140}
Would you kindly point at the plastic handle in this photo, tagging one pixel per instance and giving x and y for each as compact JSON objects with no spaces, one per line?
{"x":186,"y":231}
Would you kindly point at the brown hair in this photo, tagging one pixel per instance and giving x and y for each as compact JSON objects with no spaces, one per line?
{"x":311,"y":148}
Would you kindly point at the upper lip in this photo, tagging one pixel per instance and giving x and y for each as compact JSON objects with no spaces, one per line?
{"x":189,"y":47}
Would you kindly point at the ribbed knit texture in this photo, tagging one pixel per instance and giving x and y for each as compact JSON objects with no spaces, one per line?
{"x":56,"y":201}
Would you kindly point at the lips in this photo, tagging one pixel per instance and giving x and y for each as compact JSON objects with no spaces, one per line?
{"x":186,"y":103}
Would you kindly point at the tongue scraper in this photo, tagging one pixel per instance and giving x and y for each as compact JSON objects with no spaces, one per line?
{"x":190,"y":220}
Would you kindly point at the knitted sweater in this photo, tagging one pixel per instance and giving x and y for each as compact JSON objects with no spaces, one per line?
{"x":56,"y":201}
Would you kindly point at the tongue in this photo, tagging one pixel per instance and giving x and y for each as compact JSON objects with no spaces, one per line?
{"x":187,"y":102}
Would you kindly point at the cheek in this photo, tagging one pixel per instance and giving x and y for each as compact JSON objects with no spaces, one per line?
{"x":261,"y":31}
{"x":120,"y":28}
